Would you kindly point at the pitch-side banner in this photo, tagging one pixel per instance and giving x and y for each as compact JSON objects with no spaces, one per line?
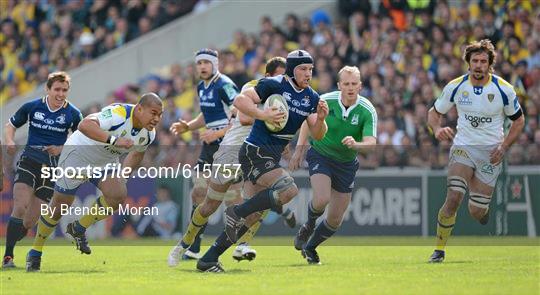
{"x":390,"y":205}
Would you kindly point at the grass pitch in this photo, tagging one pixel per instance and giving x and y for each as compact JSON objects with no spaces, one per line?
{"x":364,"y":266}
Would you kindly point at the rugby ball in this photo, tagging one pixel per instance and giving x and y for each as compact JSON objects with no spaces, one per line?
{"x":276,"y":100}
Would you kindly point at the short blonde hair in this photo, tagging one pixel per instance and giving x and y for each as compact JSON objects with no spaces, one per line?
{"x":350,"y":69}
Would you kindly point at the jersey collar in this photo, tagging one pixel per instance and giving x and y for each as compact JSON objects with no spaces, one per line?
{"x":45,"y":100}
{"x":487,"y":83}
{"x":344,"y":111}
{"x":289,"y":79}
{"x":212,"y":80}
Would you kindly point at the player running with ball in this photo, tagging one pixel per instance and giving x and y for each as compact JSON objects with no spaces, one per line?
{"x":352,"y":128}
{"x":269,"y":184}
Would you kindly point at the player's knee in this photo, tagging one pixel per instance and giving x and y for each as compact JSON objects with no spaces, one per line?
{"x":456,"y":186}
{"x":478,"y":205}
{"x":285,"y":188}
{"x":209,"y":206}
{"x":18,"y":210}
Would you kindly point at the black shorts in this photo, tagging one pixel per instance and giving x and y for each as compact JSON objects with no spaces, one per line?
{"x":29,"y":172}
{"x":256,"y":161}
{"x":207,"y":154}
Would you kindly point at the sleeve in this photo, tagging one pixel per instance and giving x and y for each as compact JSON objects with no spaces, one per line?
{"x":21,"y":116}
{"x":228,"y":93}
{"x":370,"y":123}
{"x":151,"y":137}
{"x":513,"y":109}
{"x":77,"y":118}
{"x":443,"y":103}
{"x":112,"y":117}
{"x":267,"y":87}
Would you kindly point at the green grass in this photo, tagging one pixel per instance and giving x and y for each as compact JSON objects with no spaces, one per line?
{"x":352,"y":269}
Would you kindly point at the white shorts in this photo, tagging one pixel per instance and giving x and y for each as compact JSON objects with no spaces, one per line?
{"x":477,"y":157}
{"x":226,"y":160}
{"x":72,"y":158}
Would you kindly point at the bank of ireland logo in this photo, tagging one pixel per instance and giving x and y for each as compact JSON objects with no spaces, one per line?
{"x":487,"y":169}
{"x":464,"y":99}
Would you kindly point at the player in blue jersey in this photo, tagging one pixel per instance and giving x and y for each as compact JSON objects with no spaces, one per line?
{"x":50,"y":120}
{"x":216,"y":94}
{"x":269,"y":184}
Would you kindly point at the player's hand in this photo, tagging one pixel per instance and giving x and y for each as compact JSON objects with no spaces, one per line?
{"x":53,"y":150}
{"x":497,"y":154}
{"x":286,"y":154}
{"x":273,"y":115}
{"x":11,"y":147}
{"x":322,"y":110}
{"x":444,"y":133}
{"x":179,"y":127}
{"x":349,"y":142}
{"x":124,"y":143}
{"x":296,"y":161}
{"x":209,"y":136}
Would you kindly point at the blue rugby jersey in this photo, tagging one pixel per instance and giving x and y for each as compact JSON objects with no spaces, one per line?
{"x":301,"y":104}
{"x":214,"y":98}
{"x":46,"y":127}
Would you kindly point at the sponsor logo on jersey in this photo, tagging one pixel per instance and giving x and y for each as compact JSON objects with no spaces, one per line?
{"x":487,"y":168}
{"x":464,"y":99}
{"x":106,"y":114}
{"x":141,"y":140}
{"x":306,"y":101}
{"x":39,"y":116}
{"x":296,"y":103}
{"x":516,"y":104}
{"x":354,"y":120}
{"x":478,"y":90}
{"x":61,"y":119}
{"x":491,"y":96}
{"x":476,"y":120}
{"x":269,"y":165}
{"x":49,"y":121}
{"x":287,"y":96}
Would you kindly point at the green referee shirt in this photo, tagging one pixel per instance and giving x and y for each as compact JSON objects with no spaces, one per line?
{"x":358,"y":120}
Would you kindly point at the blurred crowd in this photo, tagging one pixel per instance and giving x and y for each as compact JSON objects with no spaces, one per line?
{"x":41,"y":36}
{"x":406,"y":50}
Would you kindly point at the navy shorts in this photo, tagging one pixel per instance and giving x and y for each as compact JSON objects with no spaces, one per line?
{"x":256,"y":161}
{"x":341,"y":174}
{"x":29,"y":173}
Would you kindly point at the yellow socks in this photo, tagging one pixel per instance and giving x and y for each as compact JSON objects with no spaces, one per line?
{"x":444,"y":229}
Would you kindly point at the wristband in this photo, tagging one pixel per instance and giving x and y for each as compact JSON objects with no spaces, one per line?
{"x":112,"y":139}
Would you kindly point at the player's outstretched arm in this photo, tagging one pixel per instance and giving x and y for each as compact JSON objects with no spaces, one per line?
{"x":434,"y":123}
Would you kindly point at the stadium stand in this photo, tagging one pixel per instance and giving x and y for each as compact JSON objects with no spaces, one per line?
{"x":38,"y":37}
{"x":406,"y":55}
